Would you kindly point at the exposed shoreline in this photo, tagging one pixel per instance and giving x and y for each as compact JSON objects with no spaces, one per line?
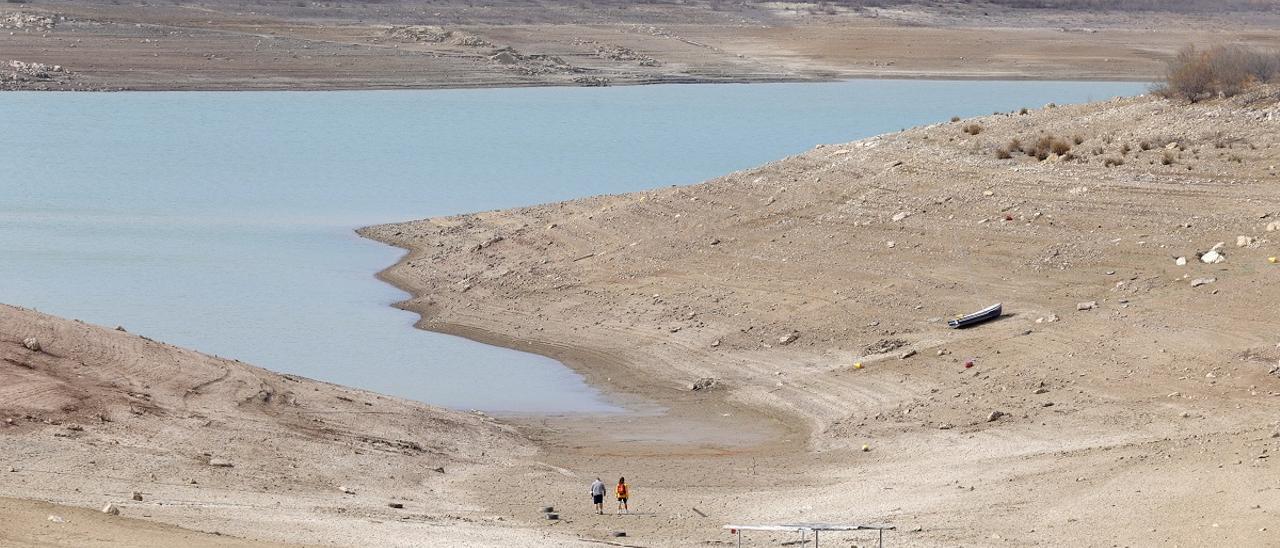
{"x":643,"y":293}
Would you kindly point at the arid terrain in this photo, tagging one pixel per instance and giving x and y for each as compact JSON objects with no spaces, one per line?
{"x":1129,"y":395}
{"x":778,"y":338}
{"x":228,"y":44}
{"x":94,"y":417}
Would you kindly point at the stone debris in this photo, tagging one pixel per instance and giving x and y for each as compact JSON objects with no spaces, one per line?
{"x":31,"y":343}
{"x":1087,"y":305}
{"x":1041,"y":390}
{"x":396,"y":505}
{"x":995,"y":416}
{"x":907,"y":354}
{"x":617,"y":534}
{"x":705,"y":383}
{"x":346,"y":490}
{"x":1202,"y":281}
{"x":1273,"y":226}
{"x":788,"y":338}
{"x":26,"y":21}
{"x":1180,"y":261}
{"x":220,"y":463}
{"x":883,"y":346}
{"x":900,"y":216}
{"x":1244,"y":241}
{"x":56,"y":519}
{"x":137,"y":496}
{"x":111,"y":510}
{"x":420,"y":33}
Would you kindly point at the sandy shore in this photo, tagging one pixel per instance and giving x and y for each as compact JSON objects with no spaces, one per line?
{"x":1136,"y":397}
{"x":93,"y":416}
{"x":1123,"y":396}
{"x":228,"y":45}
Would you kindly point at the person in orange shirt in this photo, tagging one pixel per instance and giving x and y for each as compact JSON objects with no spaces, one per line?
{"x":623,"y":495}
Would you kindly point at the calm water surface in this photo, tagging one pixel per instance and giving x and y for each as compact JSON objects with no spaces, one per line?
{"x":223,"y":221}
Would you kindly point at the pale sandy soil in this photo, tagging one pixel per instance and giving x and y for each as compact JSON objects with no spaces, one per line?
{"x":224,"y":44}
{"x":1150,"y":419}
{"x":219,"y":447}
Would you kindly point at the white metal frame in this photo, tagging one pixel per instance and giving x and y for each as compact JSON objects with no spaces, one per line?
{"x":807,"y":528}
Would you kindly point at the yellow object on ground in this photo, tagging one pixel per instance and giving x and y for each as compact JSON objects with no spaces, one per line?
{"x":857,"y":365}
{"x":1271,"y":260}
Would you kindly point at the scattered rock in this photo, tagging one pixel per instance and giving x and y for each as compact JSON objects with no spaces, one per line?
{"x":346,"y":490}
{"x":56,"y":519}
{"x":1087,"y":305}
{"x":945,"y":426}
{"x":618,"y":534}
{"x":1041,"y":390}
{"x":552,"y":515}
{"x":438,"y":469}
{"x":883,"y":346}
{"x":891,"y":244}
{"x":137,"y":496}
{"x":788,"y":338}
{"x":31,"y":343}
{"x":715,"y":343}
{"x":396,"y":505}
{"x":548,"y":509}
{"x":1244,"y":241}
{"x":907,"y":354}
{"x":900,"y":216}
{"x":988,"y":193}
{"x":995,"y":416}
{"x":1212,"y":256}
{"x":1180,"y":261}
{"x":705,"y":383}
{"x":1202,"y":281}
{"x":715,"y":241}
{"x":1273,"y":226}
{"x":121,"y":329}
{"x":111,"y":510}
{"x":220,"y":463}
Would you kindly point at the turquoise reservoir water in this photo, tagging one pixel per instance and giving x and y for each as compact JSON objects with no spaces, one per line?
{"x":223,"y":221}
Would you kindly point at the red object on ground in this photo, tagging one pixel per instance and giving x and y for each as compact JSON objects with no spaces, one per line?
{"x":968,"y":364}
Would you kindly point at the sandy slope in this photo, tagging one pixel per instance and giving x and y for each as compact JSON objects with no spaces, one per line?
{"x":1149,"y":419}
{"x":213,"y":445}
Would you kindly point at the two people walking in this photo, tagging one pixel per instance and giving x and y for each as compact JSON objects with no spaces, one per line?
{"x":621,"y":490}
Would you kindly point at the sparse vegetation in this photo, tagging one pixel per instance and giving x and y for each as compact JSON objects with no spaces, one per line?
{"x":1077,"y":139}
{"x":1003,"y":153}
{"x":1023,"y":111}
{"x":1110,"y":162}
{"x":972,"y":129}
{"x":1124,"y":149}
{"x":1221,"y":71}
{"x":1145,"y":145}
{"x":955,"y":118}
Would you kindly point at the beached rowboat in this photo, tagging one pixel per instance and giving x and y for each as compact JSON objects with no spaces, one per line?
{"x":989,"y":313}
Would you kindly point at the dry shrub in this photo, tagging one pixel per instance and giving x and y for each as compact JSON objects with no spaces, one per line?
{"x":955,"y":118}
{"x":1003,"y":153}
{"x":1108,"y":162}
{"x":972,"y":129}
{"x":1145,"y":145}
{"x":1124,"y":149}
{"x":1236,"y":158}
{"x":1023,"y":111}
{"x":1220,"y":71}
{"x":1077,"y":139}
{"x":1166,"y":159}
{"x":1046,"y":145}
